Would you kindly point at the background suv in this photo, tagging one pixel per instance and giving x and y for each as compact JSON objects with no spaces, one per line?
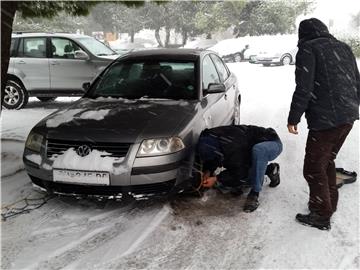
{"x":50,"y":65}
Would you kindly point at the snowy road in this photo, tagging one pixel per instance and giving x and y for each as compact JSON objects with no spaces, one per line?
{"x":189,"y":233}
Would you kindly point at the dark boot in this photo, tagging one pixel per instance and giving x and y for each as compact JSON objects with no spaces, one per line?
{"x":252,"y":202}
{"x":273,"y":172}
{"x":314,"y":220}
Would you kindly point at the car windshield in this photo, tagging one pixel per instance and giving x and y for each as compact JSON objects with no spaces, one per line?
{"x":95,"y":46}
{"x":147,"y":79}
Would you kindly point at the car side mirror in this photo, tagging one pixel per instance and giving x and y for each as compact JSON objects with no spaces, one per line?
{"x":86,"y":86}
{"x":81,"y":55}
{"x":215,"y":88}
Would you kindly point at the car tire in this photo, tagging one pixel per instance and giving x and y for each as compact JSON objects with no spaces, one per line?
{"x":195,"y":186}
{"x":46,"y":99}
{"x":286,"y":60}
{"x":237,"y":57}
{"x":15,"y":96}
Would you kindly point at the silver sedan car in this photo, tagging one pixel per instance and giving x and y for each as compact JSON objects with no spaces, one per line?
{"x":135,"y":131}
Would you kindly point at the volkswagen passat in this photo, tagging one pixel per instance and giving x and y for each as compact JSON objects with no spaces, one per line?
{"x":136,"y":128}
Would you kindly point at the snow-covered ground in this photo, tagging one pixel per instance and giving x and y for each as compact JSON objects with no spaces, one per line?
{"x":211,"y":232}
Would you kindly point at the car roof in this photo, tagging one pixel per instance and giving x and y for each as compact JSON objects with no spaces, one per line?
{"x":174,"y":54}
{"x":44,"y":34}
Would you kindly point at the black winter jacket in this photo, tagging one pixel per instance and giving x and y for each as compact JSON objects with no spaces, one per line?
{"x":327,"y":79}
{"x":236,"y":143}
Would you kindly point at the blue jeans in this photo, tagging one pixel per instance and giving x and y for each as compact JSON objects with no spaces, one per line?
{"x":261,"y":154}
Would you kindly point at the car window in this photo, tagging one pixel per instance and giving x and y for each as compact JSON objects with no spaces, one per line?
{"x":95,"y":47}
{"x":33,"y":47}
{"x":63,"y":48}
{"x":223,"y":72}
{"x":148,"y":79}
{"x":210,"y":74}
{"x":13,"y":47}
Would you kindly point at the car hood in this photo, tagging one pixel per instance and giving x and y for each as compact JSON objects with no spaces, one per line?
{"x":118,"y":120}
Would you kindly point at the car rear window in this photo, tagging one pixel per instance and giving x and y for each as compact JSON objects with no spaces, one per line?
{"x":34,"y":47}
{"x":148,"y":79}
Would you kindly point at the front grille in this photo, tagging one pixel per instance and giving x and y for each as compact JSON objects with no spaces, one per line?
{"x":57,"y":147}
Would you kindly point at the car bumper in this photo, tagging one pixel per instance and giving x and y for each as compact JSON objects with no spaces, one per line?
{"x":147,"y":175}
{"x":74,"y":189}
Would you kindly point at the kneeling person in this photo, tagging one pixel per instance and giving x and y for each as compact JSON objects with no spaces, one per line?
{"x":244,"y":151}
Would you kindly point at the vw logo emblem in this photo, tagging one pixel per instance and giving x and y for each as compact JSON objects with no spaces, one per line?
{"x":83,"y":150}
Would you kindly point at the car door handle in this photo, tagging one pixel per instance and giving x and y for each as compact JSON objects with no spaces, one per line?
{"x":21,"y":62}
{"x":54,"y":63}
{"x":225,"y":96}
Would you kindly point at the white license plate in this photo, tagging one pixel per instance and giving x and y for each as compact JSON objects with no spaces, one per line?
{"x":81,"y":177}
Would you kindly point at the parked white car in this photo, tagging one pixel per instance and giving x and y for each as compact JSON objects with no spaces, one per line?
{"x":276,"y":56}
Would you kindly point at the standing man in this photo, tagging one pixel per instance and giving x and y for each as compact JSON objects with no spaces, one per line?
{"x":244,"y":151}
{"x":328,"y":91}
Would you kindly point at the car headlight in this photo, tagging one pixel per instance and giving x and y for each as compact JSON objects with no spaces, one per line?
{"x":34,"y":141}
{"x":157,"y":147}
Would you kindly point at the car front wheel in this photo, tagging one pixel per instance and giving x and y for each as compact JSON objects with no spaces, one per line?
{"x":15,"y":96}
{"x":286,"y":60}
{"x":237,"y":57}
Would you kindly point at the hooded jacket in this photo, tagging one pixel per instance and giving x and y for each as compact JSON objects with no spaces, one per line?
{"x":327,"y":79}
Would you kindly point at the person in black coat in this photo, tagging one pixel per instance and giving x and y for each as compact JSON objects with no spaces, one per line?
{"x":244,"y":151}
{"x":328,"y":92}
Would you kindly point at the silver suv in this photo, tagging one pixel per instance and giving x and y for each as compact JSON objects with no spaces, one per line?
{"x":48,"y":65}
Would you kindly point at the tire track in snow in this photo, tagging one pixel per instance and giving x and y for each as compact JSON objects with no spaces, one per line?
{"x":124,"y":243}
{"x":84,"y":222}
{"x":197,"y":236}
{"x":19,"y":241}
{"x":159,"y":217}
{"x":124,"y":235}
{"x":68,"y":247}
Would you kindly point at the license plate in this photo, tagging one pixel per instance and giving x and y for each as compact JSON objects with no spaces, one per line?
{"x":81,"y":177}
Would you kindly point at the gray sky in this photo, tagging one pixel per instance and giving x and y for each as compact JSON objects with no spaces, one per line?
{"x":339,"y":11}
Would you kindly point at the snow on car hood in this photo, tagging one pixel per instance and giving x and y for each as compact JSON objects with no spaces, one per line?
{"x":122,"y":120}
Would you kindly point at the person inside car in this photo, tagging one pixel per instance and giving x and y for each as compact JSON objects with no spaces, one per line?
{"x":244,"y":151}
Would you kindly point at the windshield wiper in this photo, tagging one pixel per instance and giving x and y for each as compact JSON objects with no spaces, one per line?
{"x":103,"y":54}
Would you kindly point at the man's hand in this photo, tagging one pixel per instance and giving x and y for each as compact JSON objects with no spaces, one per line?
{"x":209,"y":182}
{"x":292,"y":129}
{"x":205,"y":175}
